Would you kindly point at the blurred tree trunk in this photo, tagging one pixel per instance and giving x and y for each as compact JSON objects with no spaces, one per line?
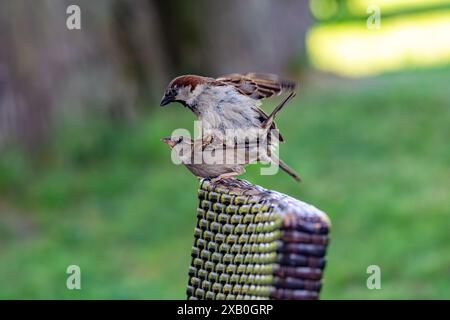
{"x":256,"y":35}
{"x":48,"y":71}
{"x":127,"y":51}
{"x":24,"y":78}
{"x":216,"y":37}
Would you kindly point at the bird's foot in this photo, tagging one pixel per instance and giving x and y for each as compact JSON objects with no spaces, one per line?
{"x":224,"y":176}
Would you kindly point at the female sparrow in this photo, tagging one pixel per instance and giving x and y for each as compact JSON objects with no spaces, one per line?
{"x":191,"y":155}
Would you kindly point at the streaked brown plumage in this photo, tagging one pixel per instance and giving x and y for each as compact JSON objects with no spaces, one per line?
{"x":189,"y":150}
{"x":258,"y":85}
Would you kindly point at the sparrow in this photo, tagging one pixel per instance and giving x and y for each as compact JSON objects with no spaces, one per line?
{"x":217,"y":161}
{"x":188,"y":151}
{"x":220,"y":161}
{"x":228,"y":103}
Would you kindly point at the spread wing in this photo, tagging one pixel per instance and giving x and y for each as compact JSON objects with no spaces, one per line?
{"x":258,"y":85}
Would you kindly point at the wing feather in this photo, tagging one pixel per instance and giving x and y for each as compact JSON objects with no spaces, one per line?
{"x":258,"y":85}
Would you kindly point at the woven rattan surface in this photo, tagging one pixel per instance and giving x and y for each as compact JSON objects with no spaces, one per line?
{"x":253,"y":243}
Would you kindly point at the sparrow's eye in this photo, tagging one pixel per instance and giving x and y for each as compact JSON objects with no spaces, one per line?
{"x":180,"y":139}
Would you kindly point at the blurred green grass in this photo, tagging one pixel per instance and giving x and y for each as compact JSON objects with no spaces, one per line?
{"x":373,"y":154}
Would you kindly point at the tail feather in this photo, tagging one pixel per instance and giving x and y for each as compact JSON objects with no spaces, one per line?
{"x":268,"y":122}
{"x":289,"y":170}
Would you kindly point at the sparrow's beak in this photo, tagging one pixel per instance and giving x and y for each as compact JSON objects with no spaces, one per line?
{"x":168,"y":141}
{"x":168,"y":98}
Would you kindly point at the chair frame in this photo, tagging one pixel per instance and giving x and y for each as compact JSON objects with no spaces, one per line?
{"x":254,"y":243}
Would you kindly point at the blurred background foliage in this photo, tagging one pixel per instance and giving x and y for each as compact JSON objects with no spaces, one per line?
{"x":85,"y":180}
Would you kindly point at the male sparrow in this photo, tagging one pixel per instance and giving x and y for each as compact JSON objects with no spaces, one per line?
{"x":229,"y":103}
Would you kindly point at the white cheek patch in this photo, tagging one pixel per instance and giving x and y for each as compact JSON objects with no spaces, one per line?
{"x":191,"y":97}
{"x":182,"y":94}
